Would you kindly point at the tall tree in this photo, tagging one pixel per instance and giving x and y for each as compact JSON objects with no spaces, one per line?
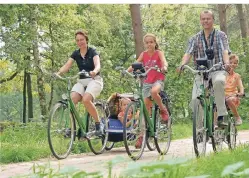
{"x":243,"y":26}
{"x":222,"y":17}
{"x":137,"y":28}
{"x":40,"y":80}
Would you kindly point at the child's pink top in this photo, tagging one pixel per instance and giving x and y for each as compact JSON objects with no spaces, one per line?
{"x":232,"y":83}
{"x":152,"y":61}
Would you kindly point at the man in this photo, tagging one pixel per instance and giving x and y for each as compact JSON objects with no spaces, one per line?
{"x":210,"y":44}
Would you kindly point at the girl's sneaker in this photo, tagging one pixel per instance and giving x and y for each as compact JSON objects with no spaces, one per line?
{"x":238,"y":121}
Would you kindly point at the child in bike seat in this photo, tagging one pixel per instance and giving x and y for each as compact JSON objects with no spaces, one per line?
{"x":123,"y":104}
{"x":234,"y":88}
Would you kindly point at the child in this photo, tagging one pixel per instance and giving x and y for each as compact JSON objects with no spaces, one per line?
{"x":154,"y":83}
{"x":233,"y":83}
{"x":123,"y":104}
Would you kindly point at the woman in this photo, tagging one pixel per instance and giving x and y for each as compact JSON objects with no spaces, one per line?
{"x":86,"y":89}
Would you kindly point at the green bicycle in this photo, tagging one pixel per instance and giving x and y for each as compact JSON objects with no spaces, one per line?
{"x":204,"y":109}
{"x":62,"y":125}
{"x":140,"y":124}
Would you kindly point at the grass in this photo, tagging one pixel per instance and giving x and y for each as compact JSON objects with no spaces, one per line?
{"x":224,"y":164}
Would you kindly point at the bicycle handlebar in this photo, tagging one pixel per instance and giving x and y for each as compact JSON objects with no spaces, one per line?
{"x":194,"y":71}
{"x":75,"y":76}
{"x":137,"y":74}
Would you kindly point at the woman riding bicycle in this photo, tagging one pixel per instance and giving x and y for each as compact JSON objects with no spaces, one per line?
{"x":86,"y":89}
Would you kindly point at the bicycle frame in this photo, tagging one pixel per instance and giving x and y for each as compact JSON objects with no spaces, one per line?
{"x":206,"y":98}
{"x":208,"y":101}
{"x":145,"y":113}
{"x":82,"y":122}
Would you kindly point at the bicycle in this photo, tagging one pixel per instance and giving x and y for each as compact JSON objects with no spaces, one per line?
{"x":64,"y":120}
{"x":226,"y":133}
{"x":203,"y":114}
{"x":141,"y":125}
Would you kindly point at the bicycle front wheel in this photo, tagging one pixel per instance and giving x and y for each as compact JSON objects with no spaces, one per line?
{"x":163,"y":130}
{"x":199,"y":129}
{"x":61,"y":130}
{"x":97,"y":144}
{"x":134,"y":131}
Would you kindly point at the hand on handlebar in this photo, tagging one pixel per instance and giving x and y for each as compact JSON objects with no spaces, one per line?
{"x":92,"y":74}
{"x":179,"y":69}
{"x":55,"y":75}
{"x":164,"y":69}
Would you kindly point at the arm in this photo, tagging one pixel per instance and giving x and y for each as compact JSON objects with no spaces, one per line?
{"x":140,"y":59}
{"x":241,"y":87}
{"x":163,"y":61}
{"x":96,"y":61}
{"x":224,"y":47}
{"x":66,"y":67}
{"x":189,"y":53}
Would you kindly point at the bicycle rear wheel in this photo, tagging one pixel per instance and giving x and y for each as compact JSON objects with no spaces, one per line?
{"x":134,"y":135}
{"x":150,"y":142}
{"x":163,"y":130}
{"x":199,"y":129}
{"x":232,"y":134}
{"x":97,"y":144}
{"x":61,"y":130}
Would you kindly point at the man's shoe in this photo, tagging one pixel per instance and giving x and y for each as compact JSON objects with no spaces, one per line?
{"x":221,"y":121}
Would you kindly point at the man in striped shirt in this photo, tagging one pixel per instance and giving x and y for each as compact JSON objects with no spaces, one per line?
{"x":210,"y":44}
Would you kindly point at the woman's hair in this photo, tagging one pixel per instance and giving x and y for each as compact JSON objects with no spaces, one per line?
{"x":82,"y":32}
{"x":234,"y":56}
{"x":154,"y":38}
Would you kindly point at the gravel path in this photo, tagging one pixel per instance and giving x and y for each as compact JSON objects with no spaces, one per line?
{"x":91,"y":163}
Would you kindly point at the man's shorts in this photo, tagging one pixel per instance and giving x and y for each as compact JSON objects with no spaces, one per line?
{"x":148,"y":86}
{"x":93,"y":86}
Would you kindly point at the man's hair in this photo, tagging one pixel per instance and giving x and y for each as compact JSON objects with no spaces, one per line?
{"x":206,"y":12}
{"x":234,"y":56}
{"x":82,"y":32}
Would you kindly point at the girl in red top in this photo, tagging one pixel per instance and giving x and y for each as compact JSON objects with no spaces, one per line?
{"x":154,"y":83}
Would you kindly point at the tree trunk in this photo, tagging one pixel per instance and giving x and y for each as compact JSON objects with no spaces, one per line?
{"x":222,"y":17}
{"x":243,"y":26}
{"x":24,"y":97}
{"x":40,"y":80}
{"x":53,"y":65}
{"x":30,"y":98}
{"x":247,"y":16}
{"x":137,"y":28}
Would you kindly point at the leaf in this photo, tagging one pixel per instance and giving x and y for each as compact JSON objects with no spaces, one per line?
{"x":202,"y":176}
{"x":242,"y":173}
{"x":231,"y":168}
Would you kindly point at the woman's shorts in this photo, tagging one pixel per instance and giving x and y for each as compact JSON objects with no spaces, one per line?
{"x":148,"y":86}
{"x":93,"y":86}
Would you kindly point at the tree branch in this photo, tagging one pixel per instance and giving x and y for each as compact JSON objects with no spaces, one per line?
{"x":8,"y":79}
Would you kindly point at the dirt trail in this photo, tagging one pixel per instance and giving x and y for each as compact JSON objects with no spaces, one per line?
{"x":91,"y":163}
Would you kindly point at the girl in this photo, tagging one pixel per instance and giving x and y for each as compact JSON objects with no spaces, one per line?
{"x":154,"y":83}
{"x":233,"y":82}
